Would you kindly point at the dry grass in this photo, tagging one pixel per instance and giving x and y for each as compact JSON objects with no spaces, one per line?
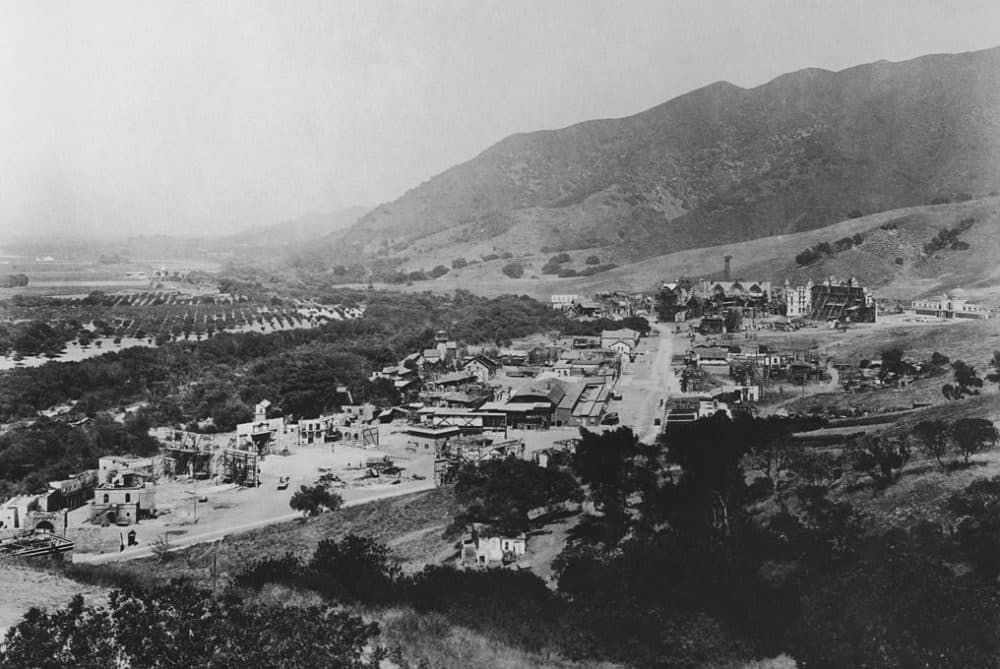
{"x":766,"y":258}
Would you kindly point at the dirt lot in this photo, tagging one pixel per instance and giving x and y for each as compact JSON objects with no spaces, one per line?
{"x":230,"y":509}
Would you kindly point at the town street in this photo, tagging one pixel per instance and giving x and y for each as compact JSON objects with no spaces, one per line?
{"x":647,"y":382}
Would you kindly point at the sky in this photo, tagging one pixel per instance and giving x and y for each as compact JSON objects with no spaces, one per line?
{"x":206,"y":117}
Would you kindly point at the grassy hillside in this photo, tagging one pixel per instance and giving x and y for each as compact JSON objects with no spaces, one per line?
{"x":873,"y":262}
{"x":719,"y":164}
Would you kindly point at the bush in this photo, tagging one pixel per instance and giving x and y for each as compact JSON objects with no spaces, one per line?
{"x":438,"y":272}
{"x":458,"y":263}
{"x":593,"y":260}
{"x":314,"y":500}
{"x":513,"y":269}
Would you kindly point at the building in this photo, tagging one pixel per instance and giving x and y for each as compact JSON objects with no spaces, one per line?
{"x":563,"y":302}
{"x":736,"y":292}
{"x":127,"y":499}
{"x":483,"y":367}
{"x":314,"y":430}
{"x":623,"y":341}
{"x":712,"y":355}
{"x":110,"y":466}
{"x":429,"y":438}
{"x":798,"y":300}
{"x":453,"y":380}
{"x":842,"y":300}
{"x":466,"y":420}
{"x":484,"y":549}
{"x":952,"y":305}
{"x":262,"y":432}
{"x":532,"y":407}
{"x":712,"y":325}
{"x":15,"y":512}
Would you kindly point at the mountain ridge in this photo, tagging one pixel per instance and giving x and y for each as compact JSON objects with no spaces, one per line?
{"x":721,"y":162}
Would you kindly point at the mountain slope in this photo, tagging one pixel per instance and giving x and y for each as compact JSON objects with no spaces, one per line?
{"x":719,"y":164}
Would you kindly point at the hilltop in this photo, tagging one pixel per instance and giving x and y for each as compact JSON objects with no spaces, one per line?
{"x":718,"y":165}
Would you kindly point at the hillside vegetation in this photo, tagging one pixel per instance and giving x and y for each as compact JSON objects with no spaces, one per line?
{"x":886,"y":236}
{"x":720,"y":164}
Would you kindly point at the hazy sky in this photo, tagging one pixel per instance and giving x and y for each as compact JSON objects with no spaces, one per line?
{"x":187,"y":117}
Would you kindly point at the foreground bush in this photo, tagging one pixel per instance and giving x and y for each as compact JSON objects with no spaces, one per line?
{"x":181,"y":627}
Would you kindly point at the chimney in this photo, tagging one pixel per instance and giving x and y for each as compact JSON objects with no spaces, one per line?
{"x":727,"y":259}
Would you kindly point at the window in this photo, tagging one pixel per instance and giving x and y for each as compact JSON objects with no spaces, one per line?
{"x":106,"y":499}
{"x":128,"y":497}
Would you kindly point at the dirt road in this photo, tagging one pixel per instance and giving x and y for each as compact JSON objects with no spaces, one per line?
{"x":648,"y":382}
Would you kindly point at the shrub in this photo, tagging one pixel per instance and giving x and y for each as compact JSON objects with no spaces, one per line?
{"x":593,"y":260}
{"x":313,"y":500}
{"x":458,"y":263}
{"x":513,"y":269}
{"x":438,"y":272}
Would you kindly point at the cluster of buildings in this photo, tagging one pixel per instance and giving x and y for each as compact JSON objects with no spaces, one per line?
{"x":612,"y":305}
{"x":832,"y":299}
{"x":121,"y":491}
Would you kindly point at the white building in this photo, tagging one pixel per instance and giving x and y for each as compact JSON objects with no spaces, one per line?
{"x":564,"y":302}
{"x":798,"y":300}
{"x":950,"y":306}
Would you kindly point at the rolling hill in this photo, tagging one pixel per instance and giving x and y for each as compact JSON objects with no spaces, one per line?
{"x":717,"y":165}
{"x":885,"y":236}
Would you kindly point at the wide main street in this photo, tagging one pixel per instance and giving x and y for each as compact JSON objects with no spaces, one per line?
{"x":647,"y":383}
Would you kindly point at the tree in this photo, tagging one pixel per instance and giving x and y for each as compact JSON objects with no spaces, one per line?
{"x":314,"y":500}
{"x":733,"y":320}
{"x":879,"y":457}
{"x":994,"y":376}
{"x":609,"y":463}
{"x":513,"y":269}
{"x":176,"y":626}
{"x":503,"y":492}
{"x":971,"y":435}
{"x":967,"y":382}
{"x":356,"y":568}
{"x":438,"y":271}
{"x":933,"y":436}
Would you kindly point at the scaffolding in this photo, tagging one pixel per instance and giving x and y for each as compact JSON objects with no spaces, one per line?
{"x":34,"y":544}
{"x":240,"y":467}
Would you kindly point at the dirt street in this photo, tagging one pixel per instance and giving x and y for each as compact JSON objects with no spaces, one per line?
{"x":647,"y":383}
